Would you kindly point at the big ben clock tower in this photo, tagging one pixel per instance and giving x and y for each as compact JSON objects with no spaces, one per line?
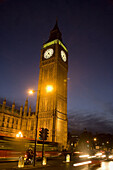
{"x":53,"y":71}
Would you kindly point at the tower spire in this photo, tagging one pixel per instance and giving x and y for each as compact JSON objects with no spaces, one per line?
{"x":55,"y":33}
{"x":26,"y":107}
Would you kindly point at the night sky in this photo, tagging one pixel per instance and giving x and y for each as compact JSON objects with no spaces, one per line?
{"x":87,"y":32}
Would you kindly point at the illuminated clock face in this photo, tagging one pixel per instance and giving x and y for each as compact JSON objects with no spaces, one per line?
{"x":48,"y":53}
{"x":63,"y":56}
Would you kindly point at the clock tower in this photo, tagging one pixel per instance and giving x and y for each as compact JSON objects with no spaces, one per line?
{"x":53,"y":71}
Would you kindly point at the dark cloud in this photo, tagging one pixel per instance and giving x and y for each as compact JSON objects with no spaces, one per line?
{"x":94,"y":122}
{"x":108,"y":108}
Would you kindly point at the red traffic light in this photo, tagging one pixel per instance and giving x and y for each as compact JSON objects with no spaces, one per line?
{"x":41,"y":133}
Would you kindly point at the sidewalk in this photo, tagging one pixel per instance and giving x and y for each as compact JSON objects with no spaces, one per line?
{"x":37,"y":166}
{"x":50,"y":164}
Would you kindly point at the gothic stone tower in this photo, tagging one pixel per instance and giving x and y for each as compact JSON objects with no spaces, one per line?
{"x":53,"y":71}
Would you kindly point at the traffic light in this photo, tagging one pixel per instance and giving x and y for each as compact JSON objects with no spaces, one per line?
{"x":41,"y":133}
{"x":46,"y":132}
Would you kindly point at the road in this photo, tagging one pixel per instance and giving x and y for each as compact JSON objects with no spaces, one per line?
{"x":56,"y":164}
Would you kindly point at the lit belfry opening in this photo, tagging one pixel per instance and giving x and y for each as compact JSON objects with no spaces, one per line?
{"x":53,"y":91}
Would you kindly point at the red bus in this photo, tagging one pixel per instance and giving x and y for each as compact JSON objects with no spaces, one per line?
{"x":12,"y":148}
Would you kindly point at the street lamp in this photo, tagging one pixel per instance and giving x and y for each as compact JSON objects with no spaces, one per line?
{"x":31,"y":91}
{"x":49,"y":88}
{"x":95,"y":139}
{"x":37,"y":111}
{"x":19,"y":135}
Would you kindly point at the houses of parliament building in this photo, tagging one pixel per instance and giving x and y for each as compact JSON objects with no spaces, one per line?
{"x":12,"y":120}
{"x":52,"y":108}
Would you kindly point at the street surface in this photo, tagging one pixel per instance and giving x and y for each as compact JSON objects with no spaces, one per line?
{"x":56,"y":164}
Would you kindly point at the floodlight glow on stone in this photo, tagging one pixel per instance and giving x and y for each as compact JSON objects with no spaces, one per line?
{"x":49,"y":88}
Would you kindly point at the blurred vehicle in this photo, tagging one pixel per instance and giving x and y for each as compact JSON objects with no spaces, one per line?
{"x":101,"y":155}
{"x":94,"y":162}
{"x":91,"y":162}
{"x":109,"y":156}
{"x":11,"y":148}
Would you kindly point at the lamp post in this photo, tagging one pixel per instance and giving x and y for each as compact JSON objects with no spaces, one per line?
{"x":95,"y":140}
{"x":49,"y":88}
{"x":36,"y":113}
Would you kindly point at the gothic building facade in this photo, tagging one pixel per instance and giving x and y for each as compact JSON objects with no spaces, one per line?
{"x":12,"y":120}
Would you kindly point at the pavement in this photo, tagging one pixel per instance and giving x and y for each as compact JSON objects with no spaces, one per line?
{"x":58,"y":163}
{"x":50,"y":163}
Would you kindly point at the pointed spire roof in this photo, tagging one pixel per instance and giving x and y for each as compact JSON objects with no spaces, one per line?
{"x":26,"y":102}
{"x":55,"y":33}
{"x":13,"y":103}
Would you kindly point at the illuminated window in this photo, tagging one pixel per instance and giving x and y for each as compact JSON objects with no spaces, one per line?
{"x":3,"y":121}
{"x":17,"y":121}
{"x":3,"y":118}
{"x":12,"y":122}
{"x":32,"y":125}
{"x":8,"y":119}
{"x":3,"y":124}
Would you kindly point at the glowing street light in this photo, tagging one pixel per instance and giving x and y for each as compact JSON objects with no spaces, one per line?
{"x":19,"y":135}
{"x":95,"y":139}
{"x":49,"y":88}
{"x":31,"y":91}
